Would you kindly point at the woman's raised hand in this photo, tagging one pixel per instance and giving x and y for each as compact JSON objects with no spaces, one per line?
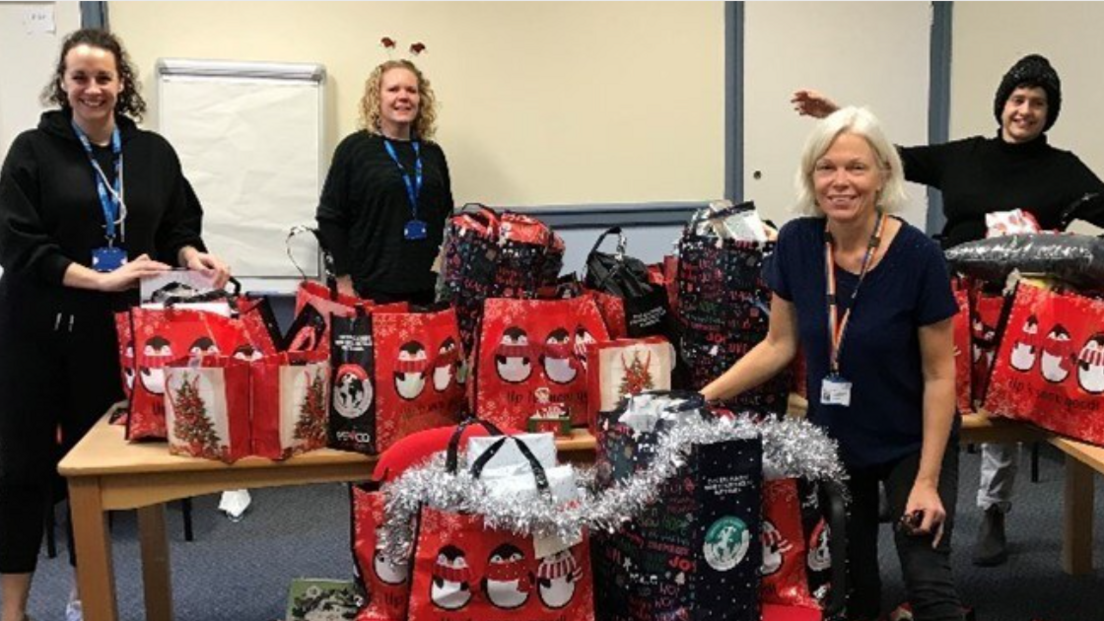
{"x":808,"y":102}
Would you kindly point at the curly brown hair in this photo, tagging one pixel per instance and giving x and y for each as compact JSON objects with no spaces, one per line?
{"x":425,"y":125}
{"x":129,"y":101}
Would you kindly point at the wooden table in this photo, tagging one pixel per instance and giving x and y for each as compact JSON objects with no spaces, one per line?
{"x":1077,"y":538}
{"x":106,"y":473}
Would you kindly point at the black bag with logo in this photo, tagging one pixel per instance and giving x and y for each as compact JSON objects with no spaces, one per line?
{"x":646,"y":312}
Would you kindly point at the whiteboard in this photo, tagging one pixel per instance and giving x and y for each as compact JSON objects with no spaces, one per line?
{"x":250,"y":139}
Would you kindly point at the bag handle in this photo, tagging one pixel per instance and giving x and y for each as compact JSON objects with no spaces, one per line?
{"x":207,"y":296}
{"x":328,"y":268}
{"x":622,"y":242}
{"x":452,"y":457}
{"x":482,"y":213}
{"x":534,"y":464}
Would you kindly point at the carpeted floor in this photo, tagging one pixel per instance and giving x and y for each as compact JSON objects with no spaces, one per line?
{"x":241,"y":571}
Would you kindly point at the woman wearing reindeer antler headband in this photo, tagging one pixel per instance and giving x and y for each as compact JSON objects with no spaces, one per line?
{"x":383,"y":208}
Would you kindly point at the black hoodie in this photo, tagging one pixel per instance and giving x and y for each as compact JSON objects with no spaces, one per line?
{"x":50,"y":213}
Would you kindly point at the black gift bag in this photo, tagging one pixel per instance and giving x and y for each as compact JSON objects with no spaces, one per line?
{"x":693,"y":555}
{"x":724,"y":311}
{"x":646,"y":311}
{"x":352,"y":400}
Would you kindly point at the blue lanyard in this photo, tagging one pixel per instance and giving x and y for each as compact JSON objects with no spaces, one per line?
{"x":109,"y":201}
{"x":413,"y":188}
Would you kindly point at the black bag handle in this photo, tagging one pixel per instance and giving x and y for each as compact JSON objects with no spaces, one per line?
{"x":622,"y":242}
{"x":452,"y":457}
{"x":710,"y":213}
{"x":534,"y":464}
{"x":330,"y":271}
{"x":206,"y":296}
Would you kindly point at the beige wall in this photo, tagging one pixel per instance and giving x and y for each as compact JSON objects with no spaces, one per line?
{"x":542,"y":103}
{"x":989,"y":37}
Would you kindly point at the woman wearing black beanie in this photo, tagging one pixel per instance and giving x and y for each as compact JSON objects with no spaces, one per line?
{"x":1016,"y":169}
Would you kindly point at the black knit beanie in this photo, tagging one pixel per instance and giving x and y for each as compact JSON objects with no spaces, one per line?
{"x":1032,"y":70}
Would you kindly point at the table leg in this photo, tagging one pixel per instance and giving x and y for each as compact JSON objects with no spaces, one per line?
{"x":1077,"y":537}
{"x":96,"y":575}
{"x":155,"y":563}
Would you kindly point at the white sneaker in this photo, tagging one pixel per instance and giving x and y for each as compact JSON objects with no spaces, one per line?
{"x":234,"y":503}
{"x":73,"y":611}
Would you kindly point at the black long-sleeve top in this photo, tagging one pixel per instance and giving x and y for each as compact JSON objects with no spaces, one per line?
{"x":982,"y":175}
{"x":364,"y":208}
{"x":50,"y":212}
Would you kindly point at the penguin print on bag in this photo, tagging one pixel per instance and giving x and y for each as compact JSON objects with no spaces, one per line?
{"x":386,"y":571}
{"x":445,"y":366}
{"x":1025,"y":349}
{"x":410,"y":372}
{"x":450,"y":588}
{"x":582,"y":339}
{"x":819,"y":557}
{"x":1055,"y":359}
{"x":985,"y":338}
{"x":558,"y":359}
{"x":157,"y":353}
{"x":556,"y":579}
{"x":774,"y":547}
{"x":508,"y":580}
{"x":248,"y":353}
{"x":203,"y":346}
{"x":128,"y":368}
{"x":513,"y":358}
{"x":1090,"y":365}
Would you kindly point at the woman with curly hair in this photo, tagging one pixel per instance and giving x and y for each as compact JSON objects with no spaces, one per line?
{"x":89,"y":204}
{"x":383,"y":208}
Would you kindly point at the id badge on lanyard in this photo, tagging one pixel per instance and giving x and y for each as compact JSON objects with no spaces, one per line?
{"x":835,"y":389}
{"x":109,"y":257}
{"x":415,"y":229}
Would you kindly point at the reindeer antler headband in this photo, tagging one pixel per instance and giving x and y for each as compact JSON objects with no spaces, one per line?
{"x":390,"y":45}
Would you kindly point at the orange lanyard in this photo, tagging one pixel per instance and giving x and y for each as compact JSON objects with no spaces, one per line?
{"x":837,"y":327}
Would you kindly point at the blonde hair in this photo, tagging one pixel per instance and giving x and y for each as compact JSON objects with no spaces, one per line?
{"x":860,"y":122}
{"x":425,"y":125}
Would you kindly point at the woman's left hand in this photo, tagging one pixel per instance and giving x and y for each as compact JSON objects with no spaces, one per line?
{"x":210,"y":266}
{"x":924,"y":498}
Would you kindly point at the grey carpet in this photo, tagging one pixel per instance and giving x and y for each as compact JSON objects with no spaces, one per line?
{"x":240,"y":572}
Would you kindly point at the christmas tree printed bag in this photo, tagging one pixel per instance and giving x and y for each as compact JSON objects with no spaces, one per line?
{"x":161,"y":336}
{"x":290,"y":396}
{"x":625,"y":367}
{"x":207,"y":408}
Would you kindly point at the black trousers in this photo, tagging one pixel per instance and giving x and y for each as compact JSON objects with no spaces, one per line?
{"x":926,"y":571}
{"x":59,"y":372}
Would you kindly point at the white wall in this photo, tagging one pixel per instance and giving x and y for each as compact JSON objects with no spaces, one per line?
{"x":989,"y":37}
{"x":28,"y":51}
{"x":862,"y":53}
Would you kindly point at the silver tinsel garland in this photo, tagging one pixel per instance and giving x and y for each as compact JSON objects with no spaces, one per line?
{"x":791,"y":448}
